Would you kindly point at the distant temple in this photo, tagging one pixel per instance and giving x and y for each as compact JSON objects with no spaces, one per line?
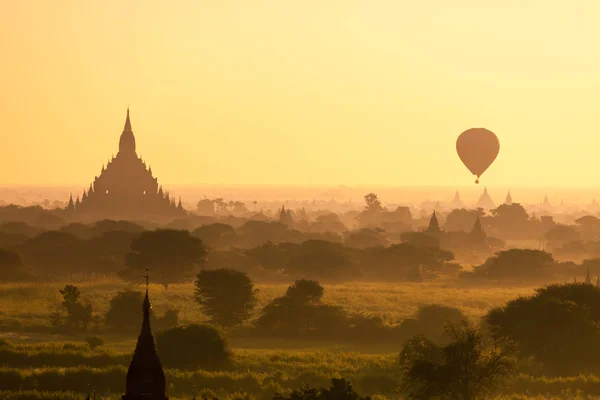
{"x":125,"y":189}
{"x":485,"y":201}
{"x":478,"y":233}
{"x":508,"y":200}
{"x":434,"y":225}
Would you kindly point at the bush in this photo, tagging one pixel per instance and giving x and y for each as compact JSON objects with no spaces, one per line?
{"x":340,"y":389}
{"x":94,"y":341}
{"x":125,"y":310}
{"x":125,"y":313}
{"x":429,"y":321}
{"x":192,"y":347}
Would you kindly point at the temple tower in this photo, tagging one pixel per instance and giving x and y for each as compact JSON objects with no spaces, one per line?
{"x":145,"y":377}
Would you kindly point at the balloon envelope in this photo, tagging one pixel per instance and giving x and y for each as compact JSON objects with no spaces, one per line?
{"x":477,"y":149}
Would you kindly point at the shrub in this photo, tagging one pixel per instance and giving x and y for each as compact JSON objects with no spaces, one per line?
{"x":429,"y":321}
{"x":192,"y":347}
{"x":125,"y":310}
{"x":94,"y":341}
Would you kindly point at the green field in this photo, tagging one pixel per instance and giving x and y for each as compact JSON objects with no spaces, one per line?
{"x":36,"y":362}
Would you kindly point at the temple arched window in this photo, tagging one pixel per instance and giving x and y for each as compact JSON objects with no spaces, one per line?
{"x":106,"y":191}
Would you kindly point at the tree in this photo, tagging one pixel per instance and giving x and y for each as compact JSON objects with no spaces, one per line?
{"x":227,"y":296}
{"x":340,"y":389}
{"x":11,"y":266}
{"x":372,"y":203}
{"x":429,"y":321}
{"x":170,"y":254}
{"x":364,"y":238}
{"x":558,"y":326}
{"x":561,"y":234}
{"x":206,"y":207}
{"x":125,"y":310}
{"x":460,"y":220}
{"x":79,"y":315}
{"x":518,"y":264}
{"x":305,"y":291}
{"x":216,"y":235}
{"x":192,"y":347}
{"x":125,"y":313}
{"x":300,"y":313}
{"x":320,"y":259}
{"x":464,"y":369}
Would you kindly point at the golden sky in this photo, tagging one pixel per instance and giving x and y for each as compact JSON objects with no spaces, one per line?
{"x":300,"y":92}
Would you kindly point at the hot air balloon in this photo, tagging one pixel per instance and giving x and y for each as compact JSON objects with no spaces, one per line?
{"x":477,"y":149}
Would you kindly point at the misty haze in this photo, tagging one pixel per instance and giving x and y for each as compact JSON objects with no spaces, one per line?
{"x":267,"y":200}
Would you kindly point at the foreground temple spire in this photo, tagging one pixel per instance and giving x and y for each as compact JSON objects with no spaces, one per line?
{"x":145,"y":377}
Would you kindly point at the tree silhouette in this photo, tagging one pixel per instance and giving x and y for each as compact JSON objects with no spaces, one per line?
{"x":466,"y":368}
{"x":227,"y":296}
{"x":170,"y":254}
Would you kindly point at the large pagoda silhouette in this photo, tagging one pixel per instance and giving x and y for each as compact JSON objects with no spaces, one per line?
{"x":125,"y":189}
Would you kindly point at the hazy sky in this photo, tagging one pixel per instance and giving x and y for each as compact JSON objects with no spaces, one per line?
{"x":323,"y":92}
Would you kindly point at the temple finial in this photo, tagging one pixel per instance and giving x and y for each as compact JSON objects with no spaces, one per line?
{"x":147,"y":276}
{"x":127,"y":122}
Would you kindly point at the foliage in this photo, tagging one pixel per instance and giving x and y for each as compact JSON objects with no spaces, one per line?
{"x":464,"y":369}
{"x":170,"y":254}
{"x":216,"y":235}
{"x":227,"y":296}
{"x":79,"y":315}
{"x":429,"y":321}
{"x":11,"y":266}
{"x":94,"y":342}
{"x":300,"y":313}
{"x":559,"y":326}
{"x":517,"y":265}
{"x":125,"y":310}
{"x":340,"y":389}
{"x":193,"y":347}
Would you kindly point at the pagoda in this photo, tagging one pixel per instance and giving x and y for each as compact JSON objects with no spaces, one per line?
{"x":125,"y":189}
{"x":145,"y":376}
{"x":485,"y":201}
{"x":434,"y":225}
{"x":508,"y":200}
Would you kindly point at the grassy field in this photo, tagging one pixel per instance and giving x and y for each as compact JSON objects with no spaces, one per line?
{"x":37,"y":365}
{"x":30,"y":304}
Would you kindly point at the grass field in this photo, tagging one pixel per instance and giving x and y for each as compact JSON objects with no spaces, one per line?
{"x":30,"y":304}
{"x":38,"y":366}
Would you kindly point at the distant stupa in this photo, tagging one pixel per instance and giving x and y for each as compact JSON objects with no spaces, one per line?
{"x":546,"y":201}
{"x":456,"y":202}
{"x":508,"y":200}
{"x":434,"y":225}
{"x":485,"y":201}
{"x":478,"y":233}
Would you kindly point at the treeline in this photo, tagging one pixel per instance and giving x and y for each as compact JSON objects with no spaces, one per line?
{"x":126,"y":249}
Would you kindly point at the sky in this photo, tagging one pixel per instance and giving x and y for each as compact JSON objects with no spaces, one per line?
{"x":300,"y":92}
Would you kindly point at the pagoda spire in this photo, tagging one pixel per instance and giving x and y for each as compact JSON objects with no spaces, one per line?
{"x":508,"y":198}
{"x":434,"y":225}
{"x":145,"y":377}
{"x":127,"y":140}
{"x":127,"y":127}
